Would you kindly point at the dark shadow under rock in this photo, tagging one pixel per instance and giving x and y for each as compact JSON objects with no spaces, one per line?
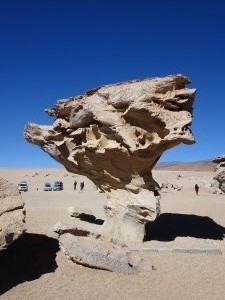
{"x":29,"y":257}
{"x":91,"y":219}
{"x":169,"y":226}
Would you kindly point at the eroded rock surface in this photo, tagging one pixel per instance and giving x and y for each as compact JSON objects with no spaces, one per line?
{"x":220,"y":170}
{"x":114,"y":135}
{"x":102,"y":255}
{"x":12,"y":214}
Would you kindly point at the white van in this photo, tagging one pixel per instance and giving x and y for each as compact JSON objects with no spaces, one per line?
{"x":22,"y":186}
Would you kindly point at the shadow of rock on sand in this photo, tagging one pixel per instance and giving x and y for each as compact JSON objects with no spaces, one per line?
{"x":169,"y":226}
{"x":29,"y":257}
{"x":90,"y":219}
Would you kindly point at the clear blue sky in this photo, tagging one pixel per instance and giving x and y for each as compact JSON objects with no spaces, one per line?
{"x":52,"y":49}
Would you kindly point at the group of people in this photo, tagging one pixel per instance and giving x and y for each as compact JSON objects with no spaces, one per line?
{"x":81,"y":185}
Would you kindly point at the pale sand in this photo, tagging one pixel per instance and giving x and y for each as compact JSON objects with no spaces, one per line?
{"x":34,"y":268}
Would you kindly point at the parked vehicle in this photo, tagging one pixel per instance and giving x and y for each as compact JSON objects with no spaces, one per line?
{"x":47,"y":187}
{"x":58,"y":186}
{"x":22,"y":186}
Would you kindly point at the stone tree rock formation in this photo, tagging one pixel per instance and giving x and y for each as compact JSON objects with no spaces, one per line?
{"x":12,"y":214}
{"x":114,"y":135}
{"x":220,"y":170}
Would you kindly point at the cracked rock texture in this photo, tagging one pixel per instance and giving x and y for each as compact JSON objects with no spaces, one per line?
{"x":220,"y":170}
{"x":12,"y":214}
{"x":102,"y":255}
{"x":114,"y":135}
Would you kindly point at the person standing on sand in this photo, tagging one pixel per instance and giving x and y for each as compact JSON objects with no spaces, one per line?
{"x":196,"y":189}
{"x":75,"y":185}
{"x":81,"y":185}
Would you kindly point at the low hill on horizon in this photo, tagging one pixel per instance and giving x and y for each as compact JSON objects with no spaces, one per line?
{"x":201,"y":165}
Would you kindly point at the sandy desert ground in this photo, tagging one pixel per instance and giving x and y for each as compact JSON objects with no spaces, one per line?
{"x":34,"y":267}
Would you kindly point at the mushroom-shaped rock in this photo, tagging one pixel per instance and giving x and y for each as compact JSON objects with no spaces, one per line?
{"x":12,"y":214}
{"x":114,"y":135}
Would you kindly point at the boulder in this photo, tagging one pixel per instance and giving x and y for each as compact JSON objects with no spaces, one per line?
{"x":12,"y":214}
{"x":102,"y":255}
{"x":79,"y":228}
{"x":81,"y":213}
{"x":220,"y":172}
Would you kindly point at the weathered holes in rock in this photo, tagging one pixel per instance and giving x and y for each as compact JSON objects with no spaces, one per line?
{"x":142,"y":141}
{"x":96,"y":133}
{"x":106,"y":130}
{"x":183,"y":97}
{"x":145,"y":121}
{"x":155,"y":100}
{"x":75,"y":109}
{"x":137,"y":133}
{"x":95,"y":122}
{"x":119,"y":105}
{"x":144,"y":213}
{"x":172,"y":105}
{"x":64,"y":150}
{"x":56,"y":136}
{"x":80,"y":139}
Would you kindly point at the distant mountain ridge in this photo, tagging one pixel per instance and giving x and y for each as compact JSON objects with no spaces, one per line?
{"x":201,"y":165}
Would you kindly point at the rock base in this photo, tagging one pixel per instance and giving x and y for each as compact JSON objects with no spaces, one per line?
{"x":84,"y":244}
